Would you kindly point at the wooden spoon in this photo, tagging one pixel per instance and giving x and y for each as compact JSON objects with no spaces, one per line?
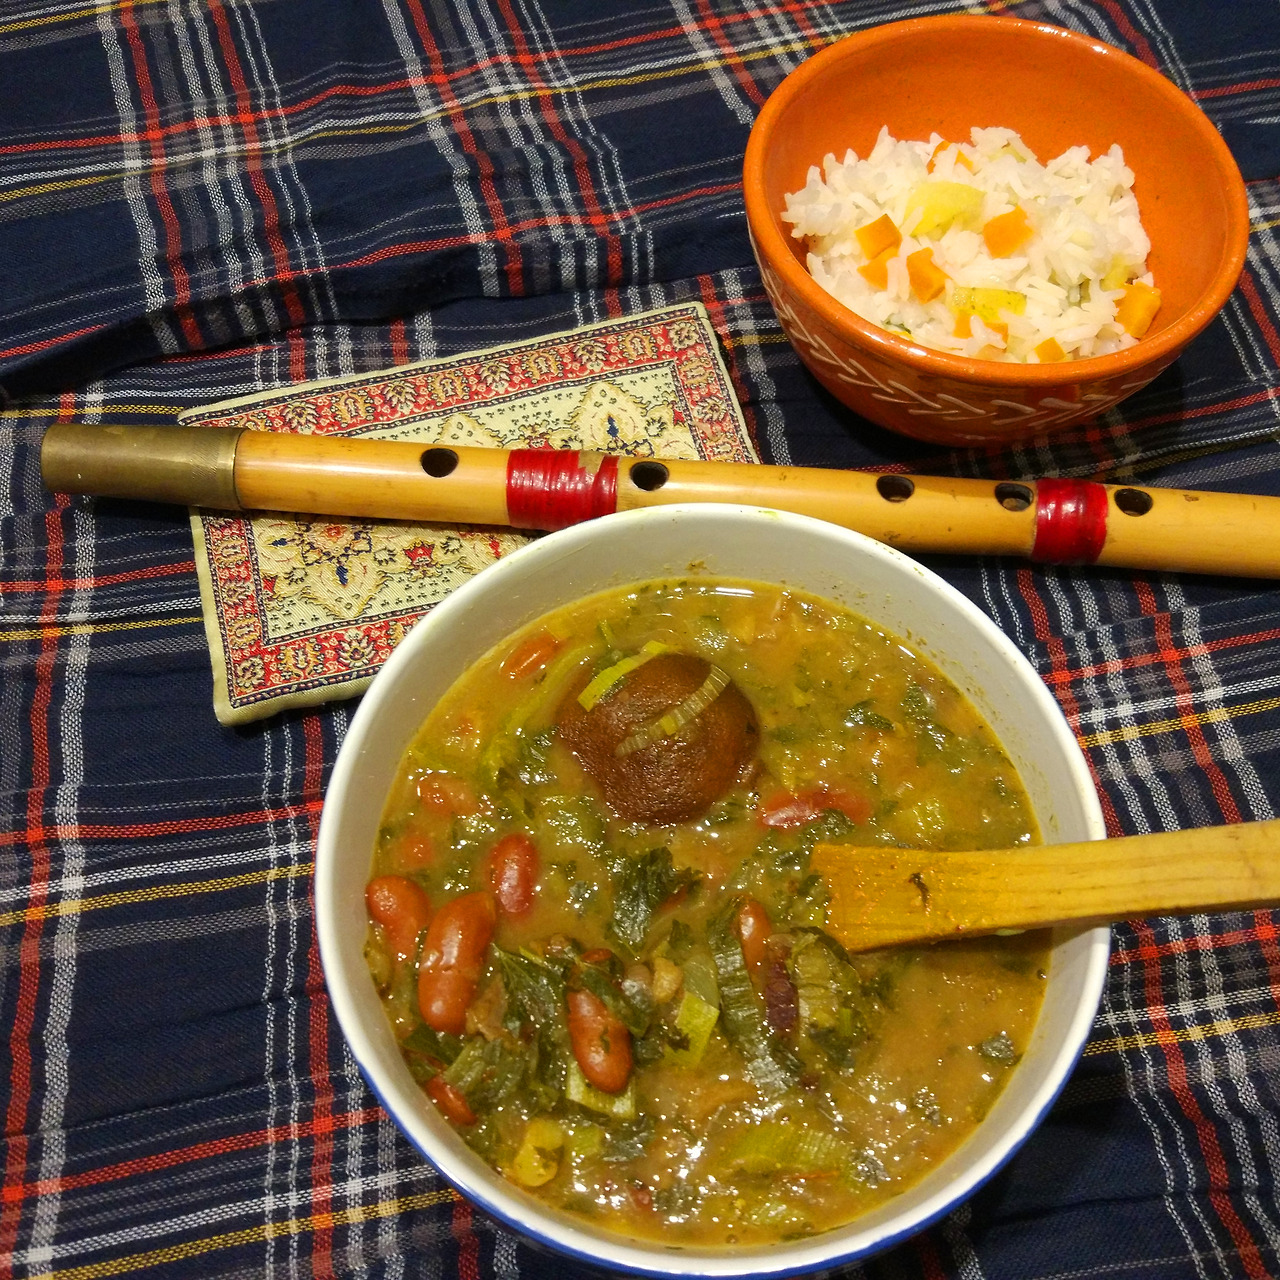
{"x":884,"y":896}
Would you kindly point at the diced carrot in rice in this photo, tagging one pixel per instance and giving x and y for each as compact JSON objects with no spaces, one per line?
{"x":878,"y":236}
{"x":927,"y":278}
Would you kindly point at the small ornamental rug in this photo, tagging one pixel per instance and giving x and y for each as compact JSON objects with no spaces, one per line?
{"x":300,"y":611}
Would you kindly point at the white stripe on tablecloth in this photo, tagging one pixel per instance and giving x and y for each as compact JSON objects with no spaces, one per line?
{"x":56,"y":1052}
{"x":528,"y":133}
{"x":155,"y":291}
{"x":1148,"y":1097}
{"x":963,"y":1253}
{"x":440,"y":134}
{"x":212,"y":158}
{"x":291,"y":190}
{"x":711,"y":57}
{"x":753,"y":359}
{"x":277,"y":1010}
{"x":1209,"y":694}
{"x":1247,"y":1112}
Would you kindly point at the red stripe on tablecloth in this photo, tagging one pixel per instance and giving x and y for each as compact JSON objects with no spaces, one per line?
{"x":173,"y":827}
{"x":1131,"y":33}
{"x":714,"y":27}
{"x":296,"y":345}
{"x":399,"y":343}
{"x":1257,"y":308}
{"x":163,"y":1160}
{"x":1138,"y":661}
{"x":159,"y":188}
{"x":462,"y":131}
{"x":1206,"y":1133}
{"x":284,"y":273}
{"x":1197,"y":942}
{"x":318,"y":1028}
{"x":1057,"y":653}
{"x":581,"y":165}
{"x":1245,"y":86}
{"x":1264,"y":924}
{"x":29,"y":348}
{"x":468,"y":1245}
{"x":1185,"y":700}
{"x":596,"y":222}
{"x":931,"y":1267}
{"x":29,"y":948}
{"x":105,"y":579}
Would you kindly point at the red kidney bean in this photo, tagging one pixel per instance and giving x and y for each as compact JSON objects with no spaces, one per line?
{"x":453,"y":959}
{"x":451,"y":1102}
{"x":754,"y":929}
{"x":514,"y":866}
{"x":400,"y":906}
{"x":786,"y":811}
{"x":601,"y":1044}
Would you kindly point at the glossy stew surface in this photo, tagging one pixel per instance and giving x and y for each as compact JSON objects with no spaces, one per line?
{"x":622,"y":994}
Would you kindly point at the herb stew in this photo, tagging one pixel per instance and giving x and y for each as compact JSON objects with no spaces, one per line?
{"x":597,"y":939}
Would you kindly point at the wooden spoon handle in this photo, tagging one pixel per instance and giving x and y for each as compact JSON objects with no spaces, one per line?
{"x":883,"y":896}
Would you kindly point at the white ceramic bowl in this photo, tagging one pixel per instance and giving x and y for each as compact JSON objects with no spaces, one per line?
{"x":767,"y":546}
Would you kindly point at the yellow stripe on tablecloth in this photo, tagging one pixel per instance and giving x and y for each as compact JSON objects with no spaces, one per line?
{"x":249,"y":1235}
{"x":1213,"y":715}
{"x":153,"y":893}
{"x":1181,"y":1035}
{"x":105,"y":408}
{"x":69,"y":15}
{"x":97,"y":628}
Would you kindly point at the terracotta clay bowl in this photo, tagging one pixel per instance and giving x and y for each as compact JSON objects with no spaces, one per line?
{"x":1057,"y":89}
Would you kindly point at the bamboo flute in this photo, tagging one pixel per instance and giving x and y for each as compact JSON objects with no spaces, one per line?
{"x":1049,"y":521}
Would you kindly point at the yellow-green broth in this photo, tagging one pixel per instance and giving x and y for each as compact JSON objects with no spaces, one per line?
{"x":790,"y":1132}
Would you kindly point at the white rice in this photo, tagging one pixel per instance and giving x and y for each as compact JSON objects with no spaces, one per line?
{"x":1083,"y":214}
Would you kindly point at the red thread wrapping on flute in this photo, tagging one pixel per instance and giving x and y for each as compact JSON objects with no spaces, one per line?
{"x":550,"y":489}
{"x":1071,"y":521}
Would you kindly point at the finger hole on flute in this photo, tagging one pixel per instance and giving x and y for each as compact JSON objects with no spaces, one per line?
{"x":649,"y":476}
{"x":439,"y":463}
{"x":1014,"y":497}
{"x":1133,"y":502}
{"x":895,"y":488}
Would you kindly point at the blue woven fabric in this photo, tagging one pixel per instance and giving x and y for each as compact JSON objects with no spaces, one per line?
{"x":203,"y":200}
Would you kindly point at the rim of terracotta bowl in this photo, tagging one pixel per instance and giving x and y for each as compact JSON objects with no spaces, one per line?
{"x":774,"y":246}
{"x":396,"y":695}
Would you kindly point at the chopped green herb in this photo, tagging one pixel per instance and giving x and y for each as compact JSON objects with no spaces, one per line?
{"x":642,"y":885}
{"x":861,"y":716}
{"x":999,"y":1049}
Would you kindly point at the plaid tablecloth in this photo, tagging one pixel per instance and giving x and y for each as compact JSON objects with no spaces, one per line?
{"x":199,"y":200}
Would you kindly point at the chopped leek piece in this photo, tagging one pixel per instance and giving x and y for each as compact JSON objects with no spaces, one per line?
{"x":601,"y":684}
{"x":621,"y":1106}
{"x":779,"y":1146}
{"x":771,"y":1063}
{"x":671,"y":721}
{"x":700,"y":978}
{"x":695,"y":1020}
